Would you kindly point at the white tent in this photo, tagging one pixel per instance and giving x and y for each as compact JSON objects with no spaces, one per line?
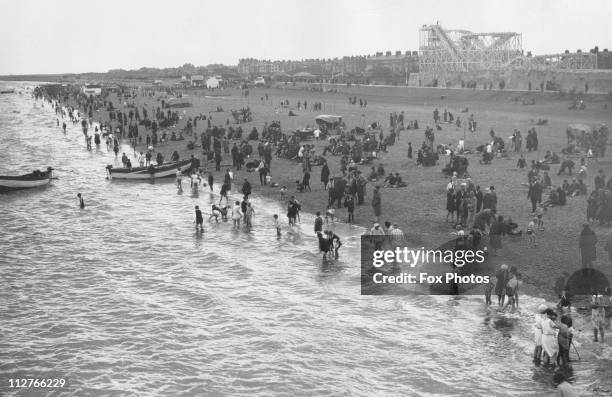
{"x":212,"y":82}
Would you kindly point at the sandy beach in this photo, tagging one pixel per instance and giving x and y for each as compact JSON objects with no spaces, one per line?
{"x":419,"y":209}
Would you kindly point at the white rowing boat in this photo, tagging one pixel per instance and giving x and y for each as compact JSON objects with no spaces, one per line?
{"x":148,"y":173}
{"x":27,"y":181}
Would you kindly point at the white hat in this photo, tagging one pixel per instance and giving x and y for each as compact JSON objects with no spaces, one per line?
{"x":376,"y":225}
{"x":542,"y":308}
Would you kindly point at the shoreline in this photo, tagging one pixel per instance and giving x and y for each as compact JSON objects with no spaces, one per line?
{"x":285,"y":172}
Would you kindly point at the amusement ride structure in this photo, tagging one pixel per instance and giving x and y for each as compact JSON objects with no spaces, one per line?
{"x":444,"y":53}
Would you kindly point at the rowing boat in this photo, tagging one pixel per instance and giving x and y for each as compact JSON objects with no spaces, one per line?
{"x":27,"y":181}
{"x":148,"y":173}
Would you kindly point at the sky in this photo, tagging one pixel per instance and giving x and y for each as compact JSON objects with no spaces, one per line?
{"x":70,"y":36}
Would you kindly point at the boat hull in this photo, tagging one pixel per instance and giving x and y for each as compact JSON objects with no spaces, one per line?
{"x":146,"y":174}
{"x":16,"y":184}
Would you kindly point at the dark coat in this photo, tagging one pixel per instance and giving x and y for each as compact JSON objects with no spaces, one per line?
{"x":587,"y":244}
{"x":487,"y":201}
{"x":246,"y":188}
{"x":376,"y":202}
{"x":502,"y":277}
{"x":325,"y":174}
{"x":450,"y":201}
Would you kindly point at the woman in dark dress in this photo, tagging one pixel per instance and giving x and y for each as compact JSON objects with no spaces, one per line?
{"x":325,"y":175}
{"x":587,"y":244}
{"x":502,"y":277}
{"x":450,"y":203}
{"x":495,"y":233}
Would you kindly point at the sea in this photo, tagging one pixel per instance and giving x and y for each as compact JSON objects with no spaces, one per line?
{"x":124,"y":298}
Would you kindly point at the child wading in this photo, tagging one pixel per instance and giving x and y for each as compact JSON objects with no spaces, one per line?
{"x":198,"y":219}
{"x":277,"y":226}
{"x":236,"y":215}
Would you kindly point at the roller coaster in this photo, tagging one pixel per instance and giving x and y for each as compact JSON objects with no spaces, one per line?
{"x":444,"y":52}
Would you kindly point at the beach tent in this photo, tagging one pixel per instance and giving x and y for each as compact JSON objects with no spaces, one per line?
{"x":197,"y":80}
{"x":91,"y":89}
{"x":303,"y":76}
{"x":328,"y":122}
{"x":328,"y":119}
{"x":259,"y":81}
{"x":212,"y":82}
{"x":282,"y":76}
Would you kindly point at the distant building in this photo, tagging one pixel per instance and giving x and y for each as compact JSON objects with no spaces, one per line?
{"x":604,"y":59}
{"x":396,"y":64}
{"x":111,"y":88}
{"x":276,"y":67}
{"x":197,"y":80}
{"x":92,"y":89}
{"x":354,"y":65}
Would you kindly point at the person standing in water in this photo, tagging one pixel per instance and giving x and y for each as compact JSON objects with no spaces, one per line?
{"x":210,"y":181}
{"x":81,"y":201}
{"x":223,"y":194}
{"x":500,"y":284}
{"x":236,"y":215}
{"x":550,"y":344}
{"x":318,"y":223}
{"x":277,"y":226}
{"x":248,"y":215}
{"x":539,"y":319}
{"x":488,"y":289}
{"x":195,"y":182}
{"x":199,"y":219}
{"x":598,"y":316}
{"x":334,"y":242}
{"x":179,"y":179}
{"x":323,"y":244}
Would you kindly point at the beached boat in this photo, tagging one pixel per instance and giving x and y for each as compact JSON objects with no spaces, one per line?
{"x":11,"y":91}
{"x":27,"y":181}
{"x":147,"y":173}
